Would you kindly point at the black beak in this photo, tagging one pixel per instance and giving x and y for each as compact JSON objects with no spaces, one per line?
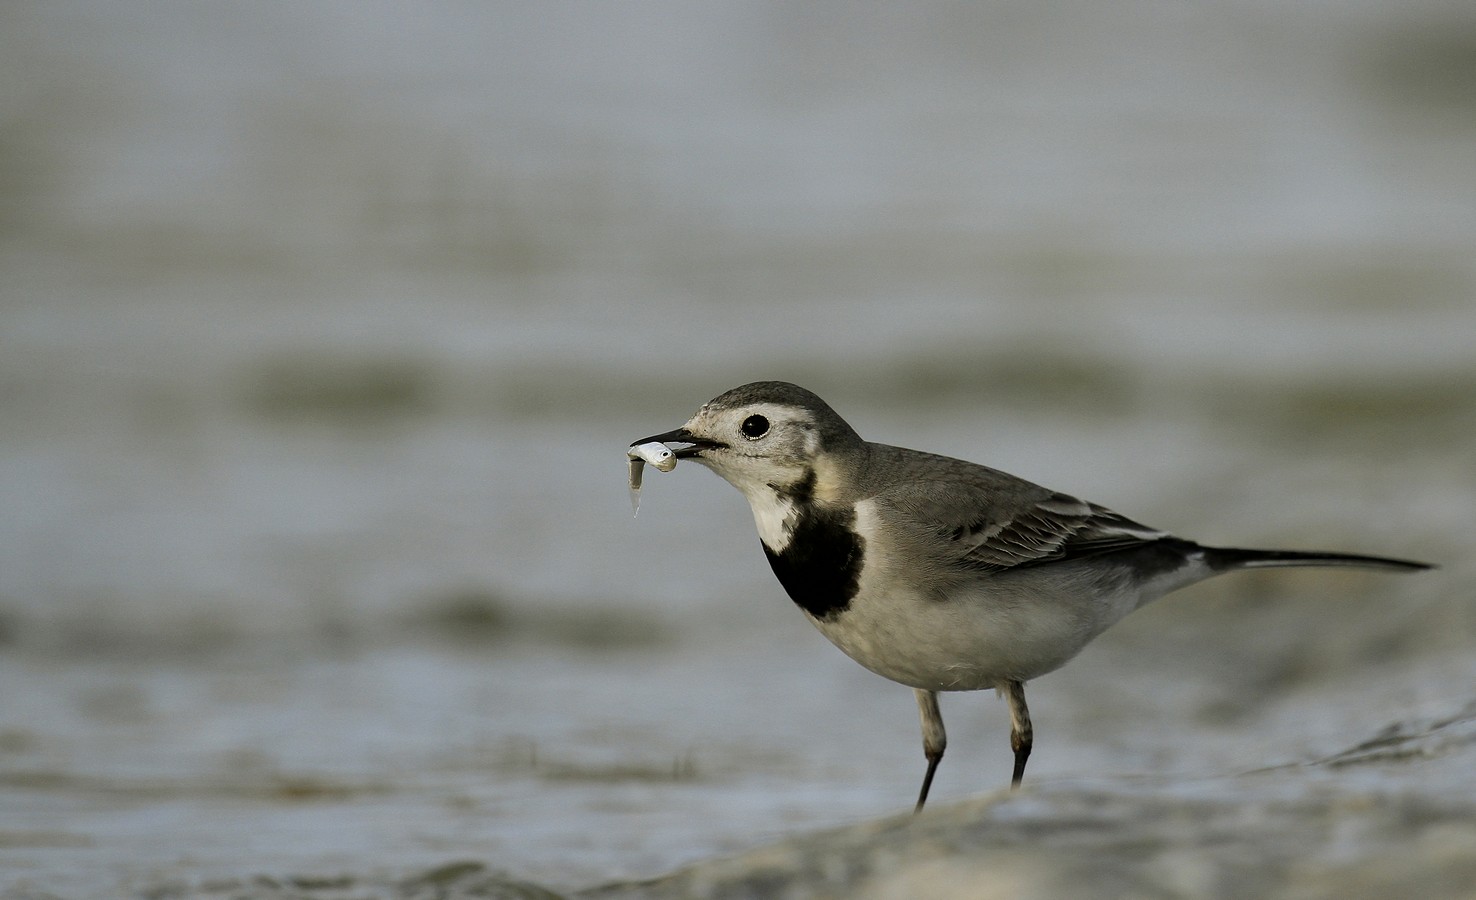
{"x":680,"y":436}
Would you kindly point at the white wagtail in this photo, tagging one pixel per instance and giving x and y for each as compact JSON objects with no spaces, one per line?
{"x":936,"y":573}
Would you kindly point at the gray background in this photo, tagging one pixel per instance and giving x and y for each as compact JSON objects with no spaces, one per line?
{"x":323,"y":328}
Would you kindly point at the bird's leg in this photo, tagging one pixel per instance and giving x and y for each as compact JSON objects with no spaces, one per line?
{"x":935,"y":739}
{"x":1022,"y":736}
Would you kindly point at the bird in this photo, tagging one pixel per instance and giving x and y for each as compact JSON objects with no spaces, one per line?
{"x":937,"y":573}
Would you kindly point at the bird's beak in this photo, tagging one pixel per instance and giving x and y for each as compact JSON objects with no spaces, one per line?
{"x":680,"y":436}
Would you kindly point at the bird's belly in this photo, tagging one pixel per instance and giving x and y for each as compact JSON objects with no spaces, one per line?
{"x":966,"y":642}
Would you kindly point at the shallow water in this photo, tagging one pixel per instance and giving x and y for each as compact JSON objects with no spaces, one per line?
{"x":323,"y":333}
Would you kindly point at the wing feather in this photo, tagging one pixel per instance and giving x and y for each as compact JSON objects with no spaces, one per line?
{"x":981,"y":518}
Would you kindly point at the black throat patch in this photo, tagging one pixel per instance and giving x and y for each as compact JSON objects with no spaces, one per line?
{"x":820,"y":567}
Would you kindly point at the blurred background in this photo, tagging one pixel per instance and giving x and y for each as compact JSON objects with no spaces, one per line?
{"x":324,"y":327}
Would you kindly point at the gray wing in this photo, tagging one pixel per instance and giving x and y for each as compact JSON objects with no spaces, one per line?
{"x":985,"y":519}
{"x":1053,"y":528}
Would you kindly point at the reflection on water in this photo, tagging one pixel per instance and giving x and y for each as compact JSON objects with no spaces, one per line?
{"x":323,"y":332}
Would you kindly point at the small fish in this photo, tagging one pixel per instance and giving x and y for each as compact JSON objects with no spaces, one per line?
{"x":636,"y":465}
{"x":655,"y":453}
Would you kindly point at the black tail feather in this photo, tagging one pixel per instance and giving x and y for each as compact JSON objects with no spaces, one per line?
{"x":1224,"y":559}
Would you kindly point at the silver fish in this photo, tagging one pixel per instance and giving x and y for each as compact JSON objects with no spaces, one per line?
{"x":655,"y":453}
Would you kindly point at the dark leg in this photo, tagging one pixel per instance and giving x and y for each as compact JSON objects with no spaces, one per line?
{"x":935,"y":740}
{"x":1022,"y":736}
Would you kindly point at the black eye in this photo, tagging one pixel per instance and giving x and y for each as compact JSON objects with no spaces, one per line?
{"x":755,"y":427}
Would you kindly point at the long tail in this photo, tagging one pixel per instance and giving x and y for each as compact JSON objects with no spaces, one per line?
{"x":1225,"y":559}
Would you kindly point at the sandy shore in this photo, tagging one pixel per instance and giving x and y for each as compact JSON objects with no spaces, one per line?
{"x":1390,"y":816}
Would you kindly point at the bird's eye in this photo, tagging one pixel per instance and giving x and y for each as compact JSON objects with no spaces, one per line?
{"x":755,"y":427}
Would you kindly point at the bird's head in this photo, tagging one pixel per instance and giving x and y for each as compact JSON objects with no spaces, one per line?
{"x":767,"y":436}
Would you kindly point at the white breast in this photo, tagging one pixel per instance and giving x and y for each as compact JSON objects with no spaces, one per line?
{"x":986,"y":631}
